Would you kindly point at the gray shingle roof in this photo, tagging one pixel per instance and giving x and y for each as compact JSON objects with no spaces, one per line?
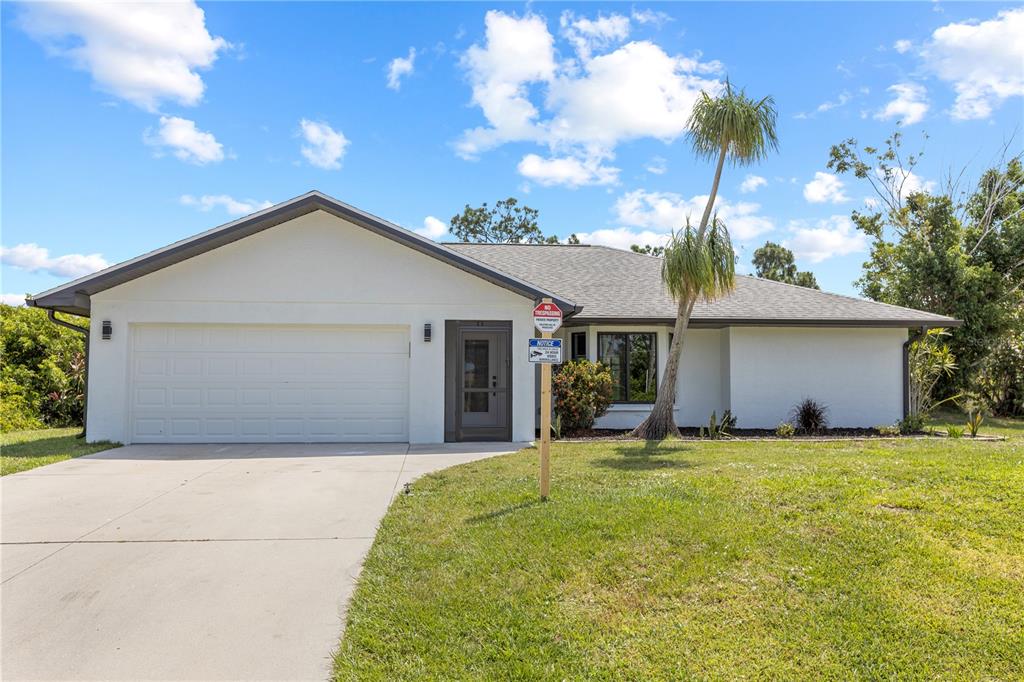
{"x":612,"y":284}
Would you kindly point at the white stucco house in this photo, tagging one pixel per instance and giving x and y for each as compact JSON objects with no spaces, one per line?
{"x":315,"y":321}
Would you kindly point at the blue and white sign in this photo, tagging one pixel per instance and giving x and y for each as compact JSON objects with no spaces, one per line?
{"x":548,"y":351}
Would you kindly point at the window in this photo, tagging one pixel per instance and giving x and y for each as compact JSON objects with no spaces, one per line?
{"x":633,"y":360}
{"x":578,"y":342}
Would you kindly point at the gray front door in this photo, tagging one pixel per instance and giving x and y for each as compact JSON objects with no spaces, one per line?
{"x":481,"y":403}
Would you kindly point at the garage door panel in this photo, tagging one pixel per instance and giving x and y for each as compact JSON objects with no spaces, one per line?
{"x":221,"y":383}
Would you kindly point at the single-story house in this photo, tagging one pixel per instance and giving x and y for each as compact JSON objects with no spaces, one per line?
{"x":315,"y":321}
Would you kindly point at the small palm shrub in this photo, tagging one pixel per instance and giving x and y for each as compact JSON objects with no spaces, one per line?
{"x":974,"y":420}
{"x":582,"y":393}
{"x":810,"y":416}
{"x":785,"y":430}
{"x":954,"y":432}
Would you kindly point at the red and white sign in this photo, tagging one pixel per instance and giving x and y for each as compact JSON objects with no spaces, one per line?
{"x":547,"y":317}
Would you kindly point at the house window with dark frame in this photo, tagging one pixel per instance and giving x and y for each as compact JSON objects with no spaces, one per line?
{"x":633,"y":360}
{"x":578,"y":346}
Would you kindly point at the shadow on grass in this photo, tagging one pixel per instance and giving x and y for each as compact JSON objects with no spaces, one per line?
{"x":650,"y":455}
{"x":504,"y":511}
{"x":44,"y":447}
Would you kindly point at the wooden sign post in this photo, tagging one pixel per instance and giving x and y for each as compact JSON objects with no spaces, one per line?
{"x":547,"y":318}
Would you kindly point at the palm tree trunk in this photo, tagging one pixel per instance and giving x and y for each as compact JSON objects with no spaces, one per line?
{"x":661,"y":422}
{"x":706,"y":218}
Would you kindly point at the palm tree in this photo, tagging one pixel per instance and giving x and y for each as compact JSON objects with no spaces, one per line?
{"x":729,"y":126}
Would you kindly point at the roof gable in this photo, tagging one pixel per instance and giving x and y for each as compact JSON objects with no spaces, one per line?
{"x":73,"y":297}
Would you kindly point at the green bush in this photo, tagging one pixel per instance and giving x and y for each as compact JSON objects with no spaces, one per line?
{"x":912,"y":423}
{"x":43,"y":371}
{"x":17,"y":413}
{"x":582,"y":393}
{"x":785,"y":430}
{"x":954,"y":432}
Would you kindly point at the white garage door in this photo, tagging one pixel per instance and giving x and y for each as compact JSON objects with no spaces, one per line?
{"x":268,"y":383}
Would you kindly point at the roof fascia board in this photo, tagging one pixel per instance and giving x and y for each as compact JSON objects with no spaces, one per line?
{"x":718,"y":323}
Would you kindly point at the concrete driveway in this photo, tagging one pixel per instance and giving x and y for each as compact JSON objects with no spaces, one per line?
{"x":194,"y":562}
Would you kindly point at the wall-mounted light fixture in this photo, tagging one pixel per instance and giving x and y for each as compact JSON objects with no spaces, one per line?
{"x":107,"y":330}
{"x":426,"y":333}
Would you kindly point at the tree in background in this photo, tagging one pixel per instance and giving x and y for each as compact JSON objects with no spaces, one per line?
{"x":43,"y":375}
{"x":774,"y":261}
{"x":647,"y":249}
{"x":950,"y":251}
{"x":508,"y":222}
{"x":700,"y":263}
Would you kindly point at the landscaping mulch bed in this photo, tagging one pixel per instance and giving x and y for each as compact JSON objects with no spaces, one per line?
{"x":768,"y":434}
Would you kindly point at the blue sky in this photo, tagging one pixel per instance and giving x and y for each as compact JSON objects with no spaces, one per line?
{"x":125,"y":129}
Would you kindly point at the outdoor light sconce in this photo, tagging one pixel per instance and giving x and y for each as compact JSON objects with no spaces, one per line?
{"x":426,"y":333}
{"x":107,"y":330}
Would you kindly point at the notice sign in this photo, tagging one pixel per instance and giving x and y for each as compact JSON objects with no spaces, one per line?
{"x":547,"y":317}
{"x":547,"y":351}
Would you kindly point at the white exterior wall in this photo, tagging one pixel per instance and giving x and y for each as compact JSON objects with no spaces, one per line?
{"x":760,"y":373}
{"x":856,"y":372}
{"x":316,"y":269}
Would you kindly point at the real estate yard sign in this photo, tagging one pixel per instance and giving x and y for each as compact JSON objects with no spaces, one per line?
{"x":547,"y":317}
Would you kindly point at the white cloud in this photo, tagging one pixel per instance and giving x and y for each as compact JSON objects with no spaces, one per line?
{"x":186,"y":141}
{"x":623,"y":237}
{"x":667,"y":211}
{"x":587,"y":35}
{"x":567,"y":171}
{"x":751,"y":183}
{"x":142,"y":52}
{"x":903,"y":183}
{"x":871,"y":202}
{"x":825,"y":187}
{"x":35,"y":258}
{"x":834,"y":236}
{"x":12,"y":299}
{"x":590,"y":105}
{"x":658,"y":165}
{"x":432,"y":228}
{"x":909,"y":104}
{"x":983,"y":60}
{"x":232,"y":206}
{"x":650,"y":16}
{"x":902,"y":46}
{"x":324,"y":146}
{"x":400,"y":67}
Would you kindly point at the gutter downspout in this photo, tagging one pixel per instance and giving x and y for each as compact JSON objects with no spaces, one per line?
{"x":84,"y":331}
{"x":914,"y":336}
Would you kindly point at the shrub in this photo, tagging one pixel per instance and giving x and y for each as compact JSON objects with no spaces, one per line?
{"x":17,"y":413}
{"x":888,"y":429}
{"x":785,"y":430}
{"x":720,"y":430}
{"x":974,"y":420}
{"x":954,"y":432}
{"x":582,"y":393}
{"x":912,"y":423}
{"x":40,"y":359}
{"x":810,"y":416}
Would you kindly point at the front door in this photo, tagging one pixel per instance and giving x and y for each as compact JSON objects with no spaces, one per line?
{"x":483,"y":395}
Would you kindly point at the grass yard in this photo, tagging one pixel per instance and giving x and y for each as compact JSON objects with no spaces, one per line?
{"x":845,"y":560}
{"x":24,"y":450}
{"x":992,"y":426}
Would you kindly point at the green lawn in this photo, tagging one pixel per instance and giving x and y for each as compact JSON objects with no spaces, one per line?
{"x":23,"y":450}
{"x":992,"y":426}
{"x":846,"y":560}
